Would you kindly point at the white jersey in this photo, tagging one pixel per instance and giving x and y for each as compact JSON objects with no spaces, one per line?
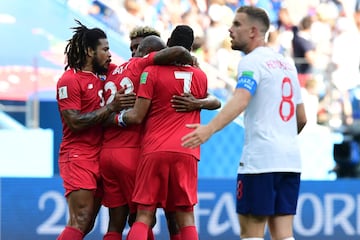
{"x":271,"y":143}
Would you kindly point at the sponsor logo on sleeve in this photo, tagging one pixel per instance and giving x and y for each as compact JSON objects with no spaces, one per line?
{"x":247,"y":81}
{"x":63,"y":92}
{"x":249,"y":74}
{"x":143,"y":77}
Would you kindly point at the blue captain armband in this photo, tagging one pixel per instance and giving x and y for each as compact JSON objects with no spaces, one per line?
{"x":248,"y":83}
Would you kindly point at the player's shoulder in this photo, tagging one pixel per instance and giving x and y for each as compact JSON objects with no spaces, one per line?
{"x":153,"y":68}
{"x":112,"y":67}
{"x":140,"y":62}
{"x":258,"y":57}
{"x":68,"y":76}
{"x":197,"y":70}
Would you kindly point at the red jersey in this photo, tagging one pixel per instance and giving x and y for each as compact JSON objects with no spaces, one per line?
{"x":80,"y":91}
{"x":164,"y":127}
{"x":126,"y":75}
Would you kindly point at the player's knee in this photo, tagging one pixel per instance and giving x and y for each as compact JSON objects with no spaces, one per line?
{"x":84,"y":219}
{"x":173,"y":227}
{"x":153,"y":222}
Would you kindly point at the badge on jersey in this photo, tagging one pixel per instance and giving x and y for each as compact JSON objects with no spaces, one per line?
{"x":90,"y":86}
{"x":102,"y":77}
{"x":143,"y":77}
{"x":63,"y":92}
{"x":247,"y":81}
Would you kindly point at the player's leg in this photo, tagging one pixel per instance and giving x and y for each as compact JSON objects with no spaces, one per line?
{"x":81,"y":206}
{"x":132,"y":218}
{"x":281,"y":227}
{"x":118,"y":168}
{"x":186,"y":222}
{"x":142,"y":226}
{"x":255,"y":202}
{"x":96,"y":209}
{"x":182,"y":194}
{"x":252,"y":226}
{"x":287,"y":187}
{"x":150,"y":172}
{"x":81,"y":179}
{"x":117,"y":222}
{"x":172,"y":225}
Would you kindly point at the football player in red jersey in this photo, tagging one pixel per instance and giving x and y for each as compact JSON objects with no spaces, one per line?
{"x":121,"y":146}
{"x":170,"y":168}
{"x":119,"y":187}
{"x":82,"y":110}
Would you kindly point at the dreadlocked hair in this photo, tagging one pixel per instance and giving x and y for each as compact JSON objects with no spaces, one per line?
{"x":77,"y":48}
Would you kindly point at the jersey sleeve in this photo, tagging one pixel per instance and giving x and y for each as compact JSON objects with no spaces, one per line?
{"x":248,"y":76}
{"x":146,"y":87}
{"x":145,"y":61}
{"x":68,"y":93}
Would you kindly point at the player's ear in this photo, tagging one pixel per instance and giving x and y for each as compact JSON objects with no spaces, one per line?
{"x":90,"y":52}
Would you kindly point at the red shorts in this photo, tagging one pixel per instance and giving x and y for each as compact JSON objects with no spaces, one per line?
{"x":118,"y":169}
{"x":167,"y":180}
{"x":80,"y":170}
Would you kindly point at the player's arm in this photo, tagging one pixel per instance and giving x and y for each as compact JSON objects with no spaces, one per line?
{"x":171,"y":55}
{"x":231,"y":110}
{"x":300,"y":117}
{"x":187,"y":103}
{"x":234,"y":107}
{"x":135,"y":115}
{"x":78,"y":121}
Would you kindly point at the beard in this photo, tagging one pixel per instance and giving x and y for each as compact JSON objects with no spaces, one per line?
{"x":238,"y":45}
{"x":99,"y":69}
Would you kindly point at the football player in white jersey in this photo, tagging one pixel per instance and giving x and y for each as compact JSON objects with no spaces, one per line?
{"x":268,"y":92}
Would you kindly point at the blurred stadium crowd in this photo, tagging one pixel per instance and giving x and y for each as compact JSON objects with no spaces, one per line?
{"x":328,"y":49}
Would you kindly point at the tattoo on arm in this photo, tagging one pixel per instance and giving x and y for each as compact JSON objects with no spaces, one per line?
{"x":110,"y":120}
{"x":77,"y":121}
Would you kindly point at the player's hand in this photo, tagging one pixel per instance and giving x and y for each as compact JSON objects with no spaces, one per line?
{"x":185,"y":103}
{"x":195,"y":62}
{"x":122,"y":101}
{"x":200,"y":135}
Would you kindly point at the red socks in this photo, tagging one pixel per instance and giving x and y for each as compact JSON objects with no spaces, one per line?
{"x":175,"y":237}
{"x":150,"y":235}
{"x":112,"y":236}
{"x":189,"y":233}
{"x":71,"y":233}
{"x":138,"y":231}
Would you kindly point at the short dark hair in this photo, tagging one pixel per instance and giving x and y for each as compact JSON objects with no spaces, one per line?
{"x":182,"y":35}
{"x":150,"y":44}
{"x":257,"y":14}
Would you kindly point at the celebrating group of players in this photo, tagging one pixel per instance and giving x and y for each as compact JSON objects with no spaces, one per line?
{"x":127,"y":139}
{"x":105,"y":147}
